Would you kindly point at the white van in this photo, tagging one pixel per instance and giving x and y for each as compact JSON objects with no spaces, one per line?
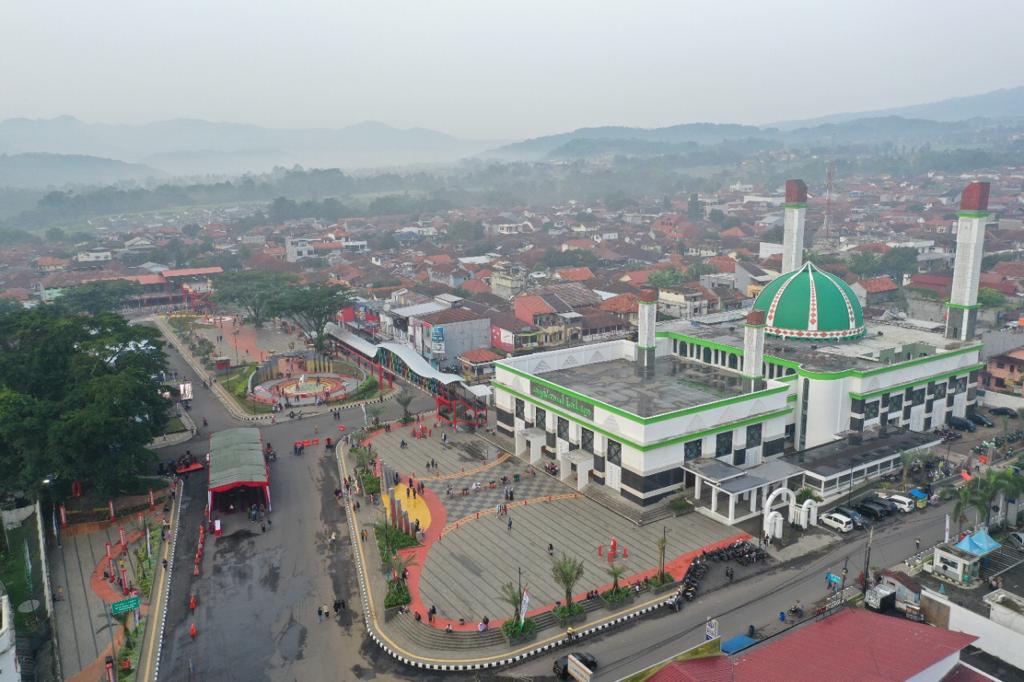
{"x":836,"y":521}
{"x":905,"y":504}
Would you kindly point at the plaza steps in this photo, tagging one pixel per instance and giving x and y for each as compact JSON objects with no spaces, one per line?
{"x":426,"y":637}
{"x":612,"y":501}
{"x":1000,"y":561}
{"x":434,"y":639}
{"x":26,"y":658}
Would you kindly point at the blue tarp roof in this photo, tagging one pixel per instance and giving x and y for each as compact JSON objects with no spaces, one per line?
{"x":979,"y":544}
{"x":737,"y":643}
{"x":917,"y":494}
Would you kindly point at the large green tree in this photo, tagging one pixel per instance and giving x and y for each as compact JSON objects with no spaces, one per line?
{"x":255,"y":291}
{"x":667,"y":278}
{"x":100,"y":296}
{"x":78,"y":399}
{"x":311,"y":307}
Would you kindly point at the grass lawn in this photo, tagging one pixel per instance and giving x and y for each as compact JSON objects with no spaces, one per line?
{"x":236,"y":382}
{"x":175,"y":425}
{"x":14,"y":572}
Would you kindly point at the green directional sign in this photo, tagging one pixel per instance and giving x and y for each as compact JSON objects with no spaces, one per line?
{"x":124,"y":606}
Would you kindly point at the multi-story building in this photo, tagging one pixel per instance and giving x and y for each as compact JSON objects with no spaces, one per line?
{"x":702,"y":403}
{"x":442,"y":336}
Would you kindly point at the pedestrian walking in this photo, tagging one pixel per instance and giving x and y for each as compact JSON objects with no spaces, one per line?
{"x":551,"y":549}
{"x":319,"y":614}
{"x":917,"y":544}
{"x":327,"y":610}
{"x":263,"y":528}
{"x":510,"y":524}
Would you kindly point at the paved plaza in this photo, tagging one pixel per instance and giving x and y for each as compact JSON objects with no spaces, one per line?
{"x":461,"y":572}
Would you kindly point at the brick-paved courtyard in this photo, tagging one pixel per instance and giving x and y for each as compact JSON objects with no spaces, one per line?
{"x":463,"y":572}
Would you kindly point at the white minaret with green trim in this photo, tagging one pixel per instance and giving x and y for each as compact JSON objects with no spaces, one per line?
{"x":962,"y":308}
{"x":793,"y":228}
{"x":753,"y":344}
{"x":647,"y":317}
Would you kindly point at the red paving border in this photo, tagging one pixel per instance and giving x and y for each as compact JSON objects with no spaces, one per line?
{"x":677,"y":566}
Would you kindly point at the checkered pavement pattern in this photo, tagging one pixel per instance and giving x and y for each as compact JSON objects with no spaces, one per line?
{"x":527,"y":487}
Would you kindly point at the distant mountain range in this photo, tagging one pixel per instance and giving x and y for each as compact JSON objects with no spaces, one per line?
{"x":53,"y":152}
{"x":192,"y":147}
{"x":954,"y":119}
{"x":38,"y":171}
{"x":998,"y":104}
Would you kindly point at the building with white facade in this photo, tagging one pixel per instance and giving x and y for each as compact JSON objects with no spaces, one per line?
{"x":716,"y":404}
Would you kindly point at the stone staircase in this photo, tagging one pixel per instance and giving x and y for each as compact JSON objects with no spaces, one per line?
{"x":435,"y":639}
{"x":26,"y":658}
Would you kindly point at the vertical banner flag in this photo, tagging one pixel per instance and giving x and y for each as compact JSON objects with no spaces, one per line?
{"x":525,"y":606}
{"x":110,"y":504}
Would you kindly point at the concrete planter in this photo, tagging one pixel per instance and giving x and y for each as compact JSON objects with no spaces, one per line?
{"x":667,"y":587}
{"x":573,"y":620}
{"x":616,"y":606}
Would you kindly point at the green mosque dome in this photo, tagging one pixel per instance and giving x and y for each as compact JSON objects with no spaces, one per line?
{"x":812,"y":305}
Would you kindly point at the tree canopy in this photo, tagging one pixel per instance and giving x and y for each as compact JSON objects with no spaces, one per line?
{"x":255,"y":291}
{"x":990,"y":298}
{"x":77,"y":399}
{"x":311,"y":307}
{"x":99,"y":297}
{"x":667,"y":278}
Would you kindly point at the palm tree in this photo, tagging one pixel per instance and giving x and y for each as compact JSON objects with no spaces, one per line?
{"x":965,"y":500}
{"x":567,"y":572}
{"x":616,"y":571}
{"x":398,"y":565}
{"x":662,"y":544}
{"x":404,"y":398}
{"x":996,"y":485}
{"x":907,"y":459}
{"x":511,"y":595}
{"x":373,"y":413}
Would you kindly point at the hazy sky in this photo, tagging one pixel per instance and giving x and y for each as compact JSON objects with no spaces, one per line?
{"x":497,"y":70}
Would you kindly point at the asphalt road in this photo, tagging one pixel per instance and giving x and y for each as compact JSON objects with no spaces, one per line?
{"x":259,"y":592}
{"x":756,"y":601}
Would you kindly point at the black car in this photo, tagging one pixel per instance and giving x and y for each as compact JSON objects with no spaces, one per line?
{"x":882,"y":508}
{"x":981,"y":420}
{"x":871,"y":511}
{"x":961,"y":424}
{"x":1004,"y":412}
{"x":849,"y":512}
{"x":561,"y":666}
{"x":890,"y":506}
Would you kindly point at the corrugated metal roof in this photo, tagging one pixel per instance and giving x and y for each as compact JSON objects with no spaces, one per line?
{"x":236,"y":458}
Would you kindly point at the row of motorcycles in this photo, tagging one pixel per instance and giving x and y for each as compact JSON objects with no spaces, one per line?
{"x":947,"y":434}
{"x":743,"y":552}
{"x":998,"y":442}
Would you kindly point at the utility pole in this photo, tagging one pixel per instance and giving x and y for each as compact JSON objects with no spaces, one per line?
{"x":867,"y":560}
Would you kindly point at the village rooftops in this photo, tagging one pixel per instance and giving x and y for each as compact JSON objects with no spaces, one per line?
{"x":676,"y":384}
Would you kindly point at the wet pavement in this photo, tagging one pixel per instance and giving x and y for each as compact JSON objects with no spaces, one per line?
{"x":259,"y":592}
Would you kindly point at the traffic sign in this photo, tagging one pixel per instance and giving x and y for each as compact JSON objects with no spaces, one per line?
{"x":125,"y":605}
{"x":711,"y":630}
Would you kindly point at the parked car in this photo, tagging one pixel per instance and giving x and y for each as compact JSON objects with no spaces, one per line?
{"x":981,"y":420}
{"x":871,"y":511}
{"x":836,"y":521}
{"x":1003,"y":412}
{"x":849,"y":512}
{"x":1016,"y":539}
{"x":881,"y":507}
{"x":961,"y":424}
{"x":561,"y":666}
{"x":904,"y":504}
{"x":890,"y":506}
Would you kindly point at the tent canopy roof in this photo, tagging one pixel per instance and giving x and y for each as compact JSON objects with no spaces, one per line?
{"x":236,"y":458}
